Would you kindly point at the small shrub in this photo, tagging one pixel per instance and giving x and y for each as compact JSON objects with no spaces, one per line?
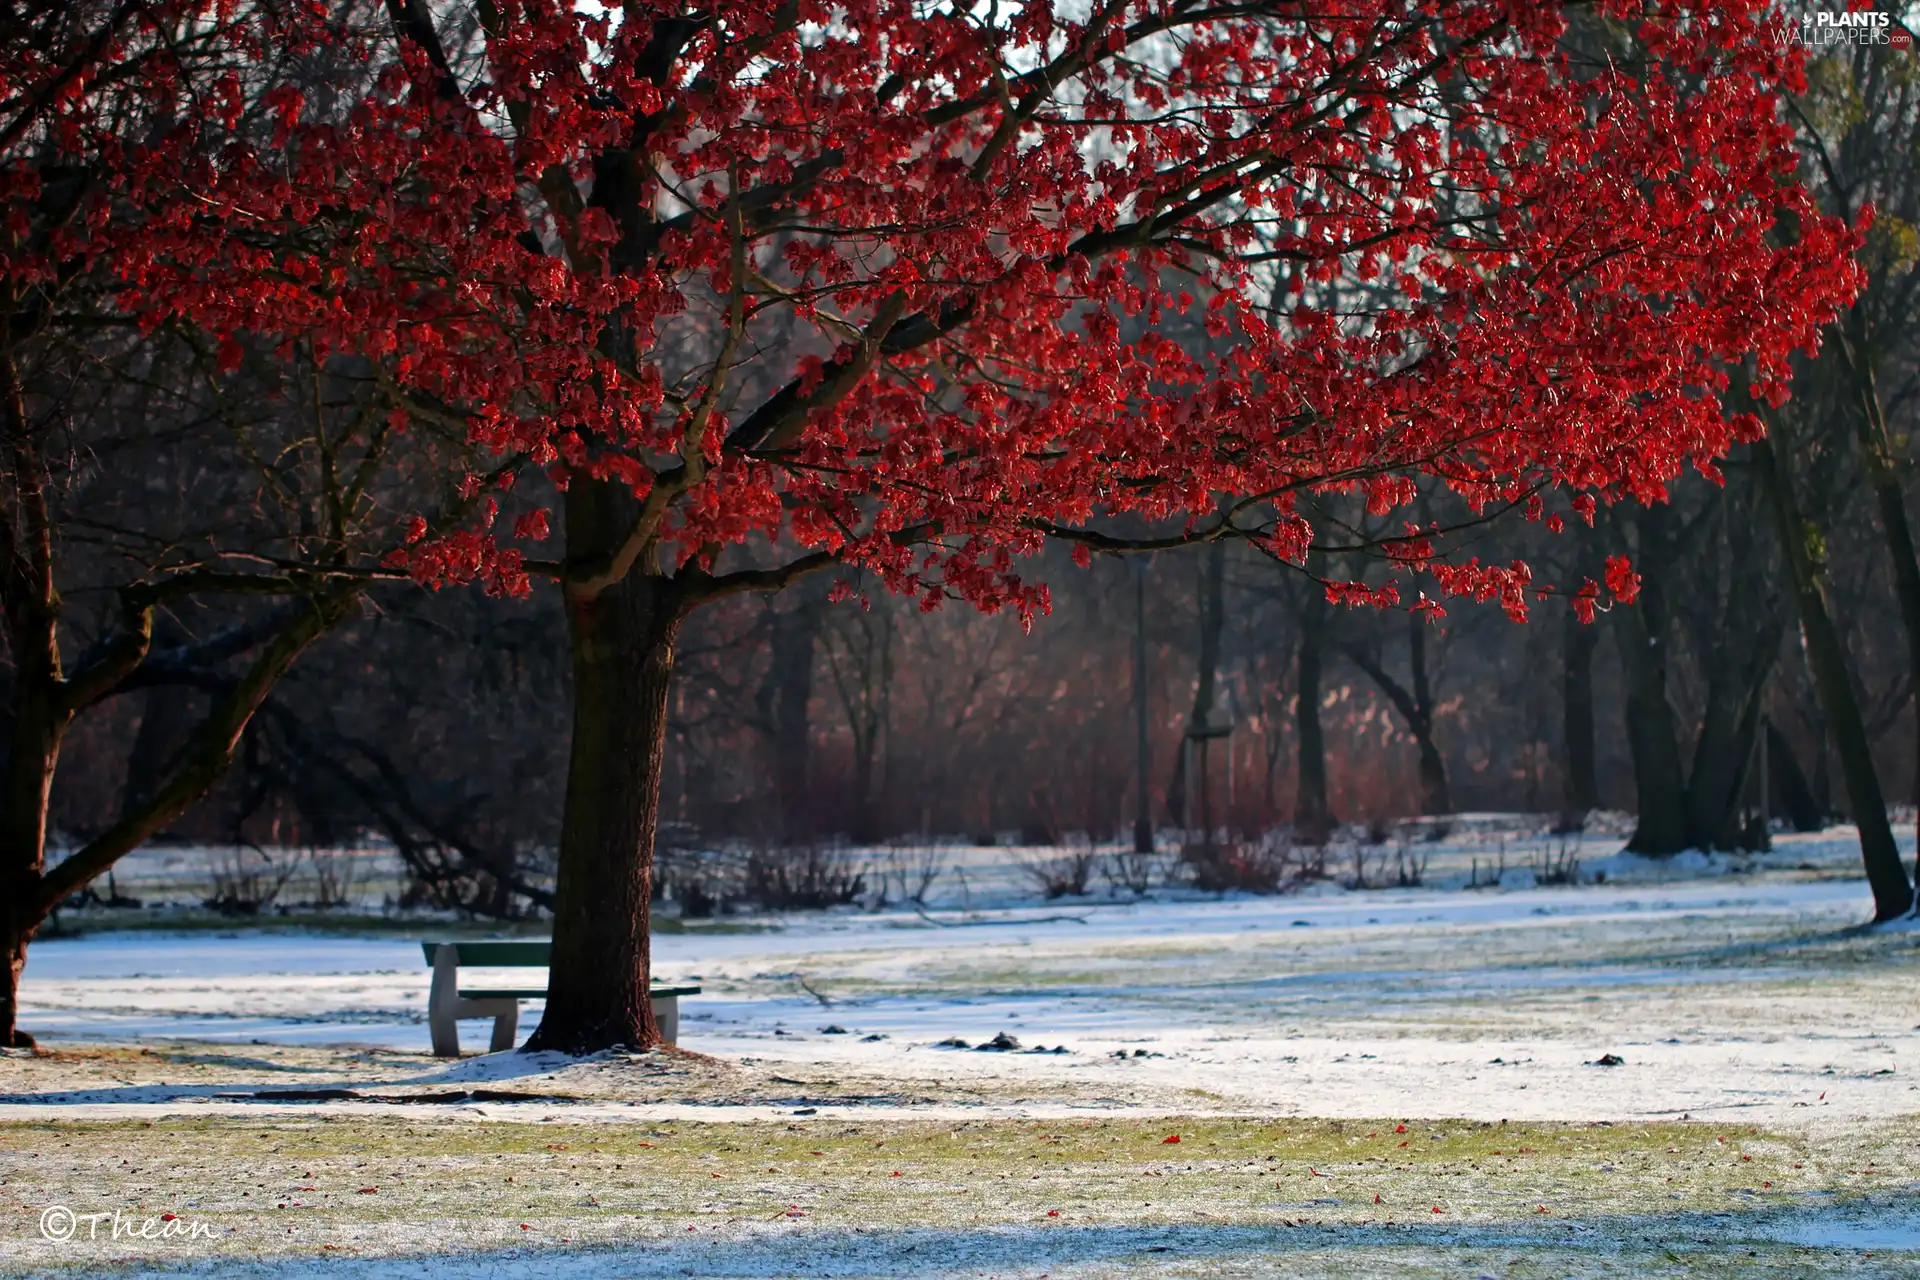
{"x":1064,"y":873}
{"x":245,"y":881}
{"x":336,"y":877}
{"x":476,"y":881}
{"x":802,"y":876}
{"x":1133,"y":871}
{"x":697,"y":902}
{"x":1409,"y":868}
{"x":703,"y":877}
{"x":1557,"y":867}
{"x":915,"y":867}
{"x":1271,"y":864}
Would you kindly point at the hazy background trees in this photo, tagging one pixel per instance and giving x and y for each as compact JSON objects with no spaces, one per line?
{"x":800,"y":717}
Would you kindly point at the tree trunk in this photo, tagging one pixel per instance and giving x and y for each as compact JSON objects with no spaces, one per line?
{"x":1580,"y":788}
{"x":32,"y":755}
{"x":1142,"y":757}
{"x":1833,"y":683}
{"x":1720,"y":761}
{"x":1652,"y":737}
{"x":1312,"y":817}
{"x":622,"y":641}
{"x":1883,"y":476}
{"x":1436,"y":797}
{"x":166,"y":722}
{"x":1213,"y":621}
{"x":871,"y":729}
{"x":1741,"y":638}
{"x":622,"y":644}
{"x":15,"y":940}
{"x":1415,"y":706}
{"x":23,"y":831}
{"x":40,"y":713}
{"x":787,"y":699}
{"x":1788,"y":793}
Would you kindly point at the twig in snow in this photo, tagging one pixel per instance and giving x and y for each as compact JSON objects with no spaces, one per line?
{"x":986,"y":924}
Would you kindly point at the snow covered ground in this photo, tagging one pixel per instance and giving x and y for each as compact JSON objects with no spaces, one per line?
{"x":838,"y":1115}
{"x":1753,"y":994}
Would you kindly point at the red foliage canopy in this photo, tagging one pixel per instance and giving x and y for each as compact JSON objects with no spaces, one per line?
{"x":917,"y":286}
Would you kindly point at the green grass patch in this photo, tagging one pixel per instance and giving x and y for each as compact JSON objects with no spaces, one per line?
{"x":373,"y":1186}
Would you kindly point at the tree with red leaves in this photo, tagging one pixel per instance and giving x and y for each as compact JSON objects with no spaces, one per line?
{"x":177,"y":514}
{"x":767,"y":288}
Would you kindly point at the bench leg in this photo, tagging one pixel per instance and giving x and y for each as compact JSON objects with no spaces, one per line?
{"x":505,"y":1023}
{"x":666,"y":1015}
{"x":445,"y":1030}
{"x":442,"y":1003}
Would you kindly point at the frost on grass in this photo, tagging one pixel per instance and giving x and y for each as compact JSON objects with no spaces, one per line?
{"x":1756,"y":996}
{"x":1757,"y":1006}
{"x":1087,"y":1196}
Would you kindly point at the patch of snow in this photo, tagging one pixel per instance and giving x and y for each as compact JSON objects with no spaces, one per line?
{"x":1742,"y":996}
{"x":513,"y":1064}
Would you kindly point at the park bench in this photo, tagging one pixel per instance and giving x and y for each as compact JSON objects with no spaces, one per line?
{"x":448,"y":1002}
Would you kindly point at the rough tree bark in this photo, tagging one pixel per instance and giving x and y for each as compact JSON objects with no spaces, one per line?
{"x":622,"y":641}
{"x":1833,"y":683}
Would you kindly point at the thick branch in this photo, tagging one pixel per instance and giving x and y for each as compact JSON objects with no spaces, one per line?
{"x":700,"y":587}
{"x":211,"y":755}
{"x":693,"y":457}
{"x":1403,"y":701}
{"x":778,"y":422}
{"x":106,"y":670}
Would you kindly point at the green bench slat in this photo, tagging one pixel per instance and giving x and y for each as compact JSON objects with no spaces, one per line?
{"x":540,"y":993}
{"x":518,"y":954}
{"x":498,"y":953}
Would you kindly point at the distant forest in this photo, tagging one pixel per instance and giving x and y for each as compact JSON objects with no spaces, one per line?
{"x":440,"y":717}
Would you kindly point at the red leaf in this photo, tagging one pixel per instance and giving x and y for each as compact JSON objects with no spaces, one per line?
{"x":1622,"y":580}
